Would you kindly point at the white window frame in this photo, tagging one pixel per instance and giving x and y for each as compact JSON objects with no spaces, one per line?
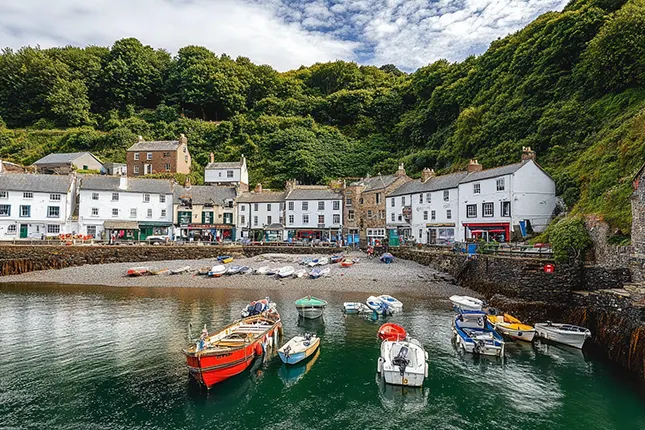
{"x":27,"y":195}
{"x":501,"y":184}
{"x":54,"y":197}
{"x":8,"y":210}
{"x":95,"y":196}
{"x":20,"y":214}
{"x":163,"y":213}
{"x":255,"y":220}
{"x":429,"y":198}
{"x":336,"y":205}
{"x":393,"y":217}
{"x":488,"y":209}
{"x":95,"y":211}
{"x":305,"y":219}
{"x":291,"y":205}
{"x":149,"y":213}
{"x":136,"y":156}
{"x":12,"y":229}
{"x":53,"y":229}
{"x":393,"y":203}
{"x":149,"y":156}
{"x":421,"y":198}
{"x":133,"y":212}
{"x":336,"y":219}
{"x":146,"y":198}
{"x":115,"y":197}
{"x":305,"y":206}
{"x":268,"y":207}
{"x":446,"y":195}
{"x":448,"y":213}
{"x":504,"y":213}
{"x":167,"y":167}
{"x":477,"y":188}
{"x":4,"y":194}
{"x":321,"y":219}
{"x":291,"y":219}
{"x":162,"y":198}
{"x":49,"y":212}
{"x":115,"y":212}
{"x":471,"y":211}
{"x":351,"y":215}
{"x":230,"y":174}
{"x":433,"y":215}
{"x":425,"y":215}
{"x":136,"y":170}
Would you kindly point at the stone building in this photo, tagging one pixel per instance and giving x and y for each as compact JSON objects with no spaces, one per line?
{"x":167,"y":156}
{"x":637,"y":260}
{"x":365,"y":210}
{"x":65,"y":163}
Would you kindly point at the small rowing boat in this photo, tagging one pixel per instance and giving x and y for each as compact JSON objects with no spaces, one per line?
{"x":466,"y":303}
{"x":286,"y":271}
{"x":310,"y":307}
{"x":378,"y":306}
{"x":180,"y":270}
{"x":346,"y":263}
{"x":355,"y":307}
{"x":262,"y":270}
{"x":319,"y":272}
{"x":391,"y":331}
{"x":299,"y":273}
{"x":567,"y":334}
{"x":258,"y":307}
{"x":217,"y":271}
{"x":159,"y":271}
{"x":510,"y":326}
{"x":299,"y":348}
{"x":475,"y":334}
{"x":336,"y":258}
{"x":203,"y":271}
{"x":395,"y":304}
{"x":234,"y":270}
{"x":138,"y":271}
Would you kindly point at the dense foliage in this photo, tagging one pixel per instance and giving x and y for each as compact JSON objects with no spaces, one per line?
{"x":571,"y":85}
{"x":569,"y":239}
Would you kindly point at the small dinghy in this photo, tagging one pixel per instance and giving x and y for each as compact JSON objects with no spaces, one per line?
{"x":310,"y":307}
{"x":510,"y":326}
{"x":180,"y":270}
{"x":475,"y":334}
{"x":336,"y":259}
{"x":318,"y":272}
{"x":138,"y":271}
{"x":392,"y":332}
{"x":567,"y":334}
{"x":262,"y":270}
{"x":305,"y":261}
{"x":245,"y":270}
{"x":259,"y":307}
{"x":395,"y":304}
{"x":378,"y":306}
{"x":312,"y":262}
{"x":346,"y":263}
{"x":203,"y":271}
{"x":387,"y":258}
{"x":286,"y":271}
{"x":403,"y":361}
{"x":159,"y":271}
{"x":466,"y":303}
{"x":273,"y":271}
{"x":355,"y":308}
{"x":299,"y":273}
{"x":217,"y":271}
{"x":234,"y":270}
{"x":224,"y":259}
{"x":323,"y":261}
{"x":299,"y":348}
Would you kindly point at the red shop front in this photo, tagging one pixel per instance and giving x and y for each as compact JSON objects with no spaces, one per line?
{"x":500,"y":232}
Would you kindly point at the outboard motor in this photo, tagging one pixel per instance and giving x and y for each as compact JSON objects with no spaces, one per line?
{"x":401,"y":359}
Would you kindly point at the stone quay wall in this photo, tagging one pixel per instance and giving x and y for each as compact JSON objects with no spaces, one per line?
{"x":16,"y":259}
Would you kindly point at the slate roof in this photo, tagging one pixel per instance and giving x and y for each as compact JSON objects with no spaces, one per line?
{"x":62,"y":158}
{"x":313,"y":194}
{"x":225,"y":165}
{"x":201,"y":194}
{"x":35,"y":183}
{"x":376,"y":182}
{"x":437,"y":183}
{"x":263,"y":197}
{"x":491,"y":173}
{"x":135,"y":185}
{"x":157,"y":145}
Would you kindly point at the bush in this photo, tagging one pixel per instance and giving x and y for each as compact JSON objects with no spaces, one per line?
{"x":569,"y":240}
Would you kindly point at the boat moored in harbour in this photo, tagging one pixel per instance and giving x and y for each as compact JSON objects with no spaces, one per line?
{"x":474,"y":334}
{"x":392,"y":302}
{"x":466,"y":303}
{"x":299,"y":348}
{"x":510,"y":326}
{"x":403,"y":361}
{"x":310,"y":307}
{"x":355,"y":307}
{"x":567,"y":334}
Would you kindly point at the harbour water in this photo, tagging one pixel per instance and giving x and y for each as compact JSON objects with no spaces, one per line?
{"x":110,"y":358}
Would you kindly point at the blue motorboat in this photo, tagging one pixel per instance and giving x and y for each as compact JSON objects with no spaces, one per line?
{"x":476,"y":335}
{"x":387,"y":258}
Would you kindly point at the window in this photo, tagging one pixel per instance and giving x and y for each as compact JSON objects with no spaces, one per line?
{"x":487,"y":209}
{"x":54,"y":197}
{"x":162,"y":198}
{"x":166,"y":154}
{"x":133,"y":213}
{"x":149,"y":156}
{"x":336,"y":218}
{"x":506,"y":208}
{"x":25,"y":211}
{"x":433,"y":215}
{"x":446,"y":195}
{"x":91,"y":230}
{"x":428,"y":197}
{"x":290,"y":206}
{"x":185,"y":217}
{"x":471,"y":211}
{"x":305,"y":206}
{"x":12,"y":228}
{"x":219,"y":174}
{"x":376,"y":232}
{"x":27,"y":195}
{"x":350,"y":215}
{"x":360,"y":201}
{"x":281,"y":220}
{"x":167,"y":167}
{"x":5,"y":210}
{"x":393,"y":217}
{"x":163,"y":213}
{"x":53,"y":228}
{"x":420,"y":234}
{"x":95,"y":211}
{"x":392,"y":202}
{"x":269,"y":219}
{"x":421,"y":198}
{"x":321,"y":206}
{"x":95,"y":196}
{"x":369,"y":214}
{"x":149,"y":214}
{"x":348,"y":201}
{"x":291,"y":219}
{"x":185,"y":157}
{"x":4,"y":194}
{"x":336,"y":205}
{"x":378,"y":198}
{"x":53,"y":211}
{"x":256,"y":207}
{"x":115,"y":212}
{"x":305,"y":219}
{"x":115,"y":197}
{"x":136,"y":155}
{"x":448,"y":214}
{"x":85,"y":167}
{"x":477,"y":189}
{"x":500,"y":184}
{"x":229,"y":173}
{"x":136,"y":170}
{"x":146,"y":198}
{"x":400,"y":217}
{"x":321,"y":219}
{"x":268,"y":206}
{"x":381,"y":214}
{"x":425,"y":215}
{"x":243,"y":209}
{"x":255,"y":220}
{"x":402,"y":200}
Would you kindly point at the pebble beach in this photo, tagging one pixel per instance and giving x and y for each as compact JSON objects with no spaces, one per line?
{"x":364,"y":276}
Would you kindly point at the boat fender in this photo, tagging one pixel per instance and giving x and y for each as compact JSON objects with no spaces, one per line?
{"x":480,"y":321}
{"x":379,"y":366}
{"x":258,"y":349}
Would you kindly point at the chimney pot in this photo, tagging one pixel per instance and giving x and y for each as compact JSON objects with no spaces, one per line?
{"x":527,"y":153}
{"x":212,"y":157}
{"x":474,"y":166}
{"x":258,"y":187}
{"x":140,"y":138}
{"x":182,"y":139}
{"x":427,"y":174}
{"x":400,"y":171}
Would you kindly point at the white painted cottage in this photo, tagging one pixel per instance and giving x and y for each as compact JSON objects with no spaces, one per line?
{"x":227,"y":173}
{"x":260,"y":215}
{"x":313,"y":212}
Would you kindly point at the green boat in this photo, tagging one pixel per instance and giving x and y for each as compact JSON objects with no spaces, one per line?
{"x":310,"y":307}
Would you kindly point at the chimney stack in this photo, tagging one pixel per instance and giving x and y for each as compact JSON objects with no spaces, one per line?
{"x":212,"y":157}
{"x":187,"y":184}
{"x":427,"y":174}
{"x":140,"y":138}
{"x":527,"y":153}
{"x":258,"y":187}
{"x":290,"y":185}
{"x":123,"y":182}
{"x":182,"y":139}
{"x":400,"y":171}
{"x":474,"y":166}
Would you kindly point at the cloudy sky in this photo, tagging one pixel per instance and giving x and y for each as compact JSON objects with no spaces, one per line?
{"x":282,"y":33}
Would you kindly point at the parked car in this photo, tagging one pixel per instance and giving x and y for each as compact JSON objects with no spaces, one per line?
{"x":157,"y":240}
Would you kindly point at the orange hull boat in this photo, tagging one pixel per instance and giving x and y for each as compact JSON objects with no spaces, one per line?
{"x":229,"y":352}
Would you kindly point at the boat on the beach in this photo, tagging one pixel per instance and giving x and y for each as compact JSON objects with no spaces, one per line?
{"x":162,"y":271}
{"x":262,"y":270}
{"x":387,"y":258}
{"x":336,"y":258}
{"x":312,"y":262}
{"x":378,"y":306}
{"x":217,"y":271}
{"x":203,"y":271}
{"x":286,"y":271}
{"x":138,"y":271}
{"x":234,"y":270}
{"x":258,"y":307}
{"x":310,"y":307}
{"x":567,"y":334}
{"x":355,"y":307}
{"x":225,"y":259}
{"x":466,"y":303}
{"x":475,"y":334}
{"x":180,"y":270}
{"x":391,"y":331}
{"x":245,"y":269}
{"x":510,"y":326}
{"x":403,"y":361}
{"x":318,"y":272}
{"x":299,"y":348}
{"x":272,"y":271}
{"x":395,"y":304}
{"x":346,"y":263}
{"x":214,"y":358}
{"x":323,"y":261}
{"x":299,"y":273}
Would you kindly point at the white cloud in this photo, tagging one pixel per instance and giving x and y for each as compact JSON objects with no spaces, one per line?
{"x":283,"y":33}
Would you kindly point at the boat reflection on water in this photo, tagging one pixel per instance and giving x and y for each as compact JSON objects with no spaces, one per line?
{"x":292,"y":373}
{"x":316,"y":326}
{"x":400,"y":398}
{"x":562,"y":354}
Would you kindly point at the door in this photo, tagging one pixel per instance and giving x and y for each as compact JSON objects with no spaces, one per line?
{"x":433,"y":236}
{"x":24,"y":230}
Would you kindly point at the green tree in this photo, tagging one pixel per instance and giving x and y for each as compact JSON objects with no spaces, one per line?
{"x":69,"y":104}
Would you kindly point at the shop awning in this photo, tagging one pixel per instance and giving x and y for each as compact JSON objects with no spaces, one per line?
{"x":121,"y":225}
{"x":274,"y":226}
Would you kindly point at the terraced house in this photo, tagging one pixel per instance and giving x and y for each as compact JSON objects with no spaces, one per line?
{"x":261,"y":215}
{"x":205,"y":212}
{"x":166,"y":156}
{"x":313,"y":212}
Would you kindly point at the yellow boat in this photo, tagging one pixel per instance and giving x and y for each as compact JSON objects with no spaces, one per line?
{"x":510,"y":326}
{"x":227,"y":260}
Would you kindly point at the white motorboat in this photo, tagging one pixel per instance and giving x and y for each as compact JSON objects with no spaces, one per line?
{"x":217,"y":271}
{"x":378,"y":306}
{"x":395,"y":304}
{"x":323,"y":261}
{"x":299,"y":273}
{"x":475,"y":334}
{"x":566,"y":334}
{"x":355,"y":307}
{"x":262,"y":270}
{"x":403,"y":362}
{"x":467,"y":303}
{"x":180,"y":270}
{"x":286,"y":271}
{"x":312,"y":262}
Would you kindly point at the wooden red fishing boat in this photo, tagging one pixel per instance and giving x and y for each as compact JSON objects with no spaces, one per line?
{"x":214,"y":358}
{"x":138,"y":271}
{"x":392,"y":332}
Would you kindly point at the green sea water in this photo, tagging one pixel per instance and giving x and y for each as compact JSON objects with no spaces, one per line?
{"x":110,"y":358}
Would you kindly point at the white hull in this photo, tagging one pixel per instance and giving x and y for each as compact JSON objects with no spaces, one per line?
{"x":570,"y":338}
{"x":395,"y":304}
{"x":467,"y":303}
{"x":413,"y":373}
{"x":286,"y":272}
{"x":311,"y":313}
{"x":525,"y":335}
{"x":469,"y":347}
{"x":355,"y":307}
